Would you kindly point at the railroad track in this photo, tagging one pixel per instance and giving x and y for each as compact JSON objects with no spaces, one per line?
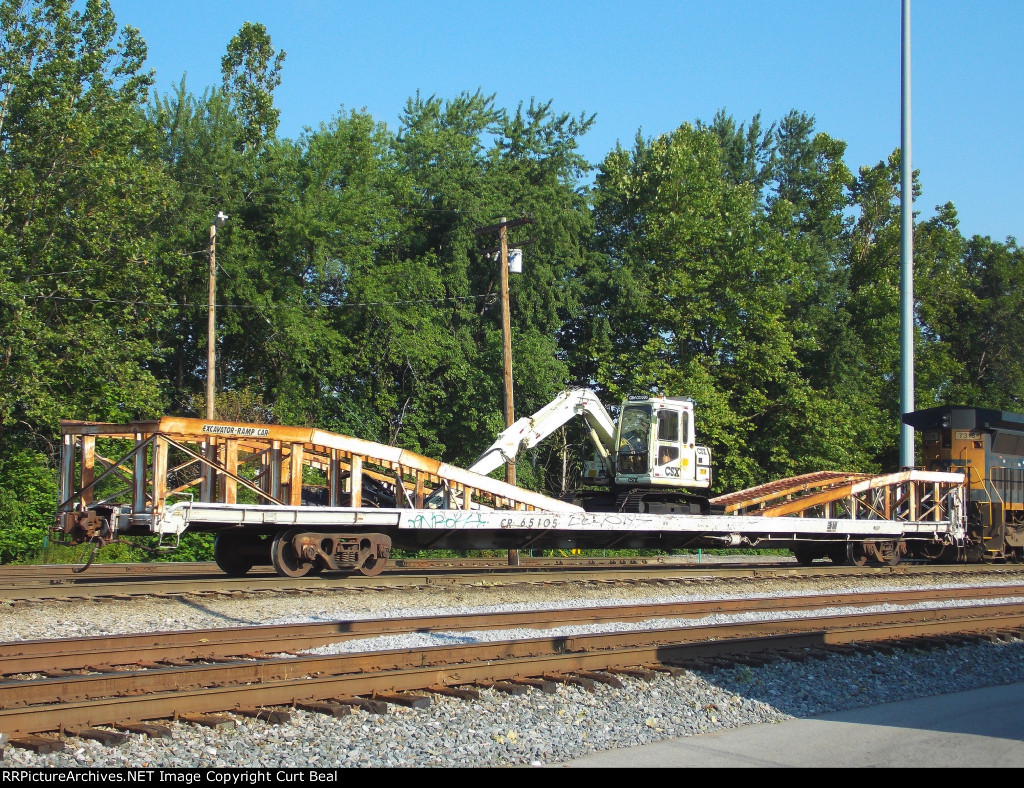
{"x":20,"y":585}
{"x":399,"y":566}
{"x":161,"y":676}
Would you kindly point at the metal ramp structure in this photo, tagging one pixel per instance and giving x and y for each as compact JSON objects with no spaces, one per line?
{"x":148,"y":465}
{"x":909,"y":495}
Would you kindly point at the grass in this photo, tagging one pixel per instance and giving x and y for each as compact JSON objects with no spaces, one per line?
{"x":123,"y":553}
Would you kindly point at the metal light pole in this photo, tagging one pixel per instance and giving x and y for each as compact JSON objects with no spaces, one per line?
{"x":906,"y":257}
{"x":211,"y":318}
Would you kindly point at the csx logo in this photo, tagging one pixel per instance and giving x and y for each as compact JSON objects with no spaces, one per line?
{"x":672,"y":472}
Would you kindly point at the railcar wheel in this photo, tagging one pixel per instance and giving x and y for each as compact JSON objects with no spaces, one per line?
{"x":933,"y":551}
{"x":803,"y":555}
{"x":856,"y":554}
{"x":228,"y":556}
{"x":284,"y":558}
{"x":373,"y":556}
{"x":838,"y":554}
{"x":316,"y":568}
{"x":372,"y":566}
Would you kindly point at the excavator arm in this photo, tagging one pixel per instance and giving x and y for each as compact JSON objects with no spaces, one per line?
{"x":528,"y":431}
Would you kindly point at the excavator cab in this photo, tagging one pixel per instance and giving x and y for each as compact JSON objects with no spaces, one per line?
{"x":656,"y":445}
{"x":652,"y":445}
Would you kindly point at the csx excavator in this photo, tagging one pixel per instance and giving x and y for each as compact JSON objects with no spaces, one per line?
{"x":646,"y":462}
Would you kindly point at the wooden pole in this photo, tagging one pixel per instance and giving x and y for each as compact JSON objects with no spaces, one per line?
{"x":211,"y":322}
{"x":506,"y":333}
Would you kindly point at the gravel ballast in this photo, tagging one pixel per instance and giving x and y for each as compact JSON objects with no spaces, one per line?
{"x":535,"y":729}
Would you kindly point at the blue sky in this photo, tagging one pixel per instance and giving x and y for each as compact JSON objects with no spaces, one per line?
{"x":650,"y":65}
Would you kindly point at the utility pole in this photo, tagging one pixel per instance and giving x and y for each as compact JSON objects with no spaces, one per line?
{"x":506,"y":333}
{"x":506,"y":329}
{"x":211,"y":319}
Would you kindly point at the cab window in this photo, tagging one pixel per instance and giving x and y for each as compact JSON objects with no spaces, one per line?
{"x":668,"y":425}
{"x":636,"y":430}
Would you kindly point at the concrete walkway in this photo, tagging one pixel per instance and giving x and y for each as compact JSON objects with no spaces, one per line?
{"x":979,"y":728}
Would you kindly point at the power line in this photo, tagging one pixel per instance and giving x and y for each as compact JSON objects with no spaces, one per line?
{"x":269,"y":307}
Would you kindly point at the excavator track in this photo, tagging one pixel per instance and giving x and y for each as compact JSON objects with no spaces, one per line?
{"x":638,"y":500}
{"x":641,"y":500}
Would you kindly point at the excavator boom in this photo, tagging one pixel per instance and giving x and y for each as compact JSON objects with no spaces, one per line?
{"x":528,"y":431}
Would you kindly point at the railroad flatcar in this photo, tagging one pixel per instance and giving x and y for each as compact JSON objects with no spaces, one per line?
{"x":247,"y":484}
{"x":987,"y":446}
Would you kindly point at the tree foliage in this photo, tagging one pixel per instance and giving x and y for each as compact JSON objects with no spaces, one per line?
{"x":738,"y":262}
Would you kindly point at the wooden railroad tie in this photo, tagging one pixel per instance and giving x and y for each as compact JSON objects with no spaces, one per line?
{"x":702,"y":664}
{"x":370,"y":705}
{"x":272,"y":716}
{"x":923,"y":644}
{"x":217,"y":721}
{"x":959,"y":640}
{"x":104,"y":737}
{"x":464,"y":693}
{"x":844,"y":648}
{"x":146,"y":729}
{"x":105,"y":668}
{"x":600,"y":677}
{"x":575,"y":679}
{"x":58,"y":673}
{"x":40,"y":745}
{"x":407,"y":699}
{"x":671,"y":670}
{"x":1002,"y":637}
{"x":508,"y":687}
{"x":546,"y":686}
{"x":324,"y":707}
{"x":637,"y":673}
{"x":792,"y":654}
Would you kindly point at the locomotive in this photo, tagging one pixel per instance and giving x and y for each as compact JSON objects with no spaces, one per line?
{"x":987,"y":446}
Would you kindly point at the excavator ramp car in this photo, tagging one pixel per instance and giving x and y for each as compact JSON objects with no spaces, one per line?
{"x":305,"y":500}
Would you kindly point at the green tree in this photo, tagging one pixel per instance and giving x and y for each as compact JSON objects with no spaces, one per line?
{"x":874,"y":295}
{"x":470,"y":164}
{"x":323,"y":225}
{"x":680,"y":240}
{"x":815,"y":416}
{"x":195,"y":136}
{"x":251,"y":71}
{"x":81,"y":296}
{"x":970,"y":297}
